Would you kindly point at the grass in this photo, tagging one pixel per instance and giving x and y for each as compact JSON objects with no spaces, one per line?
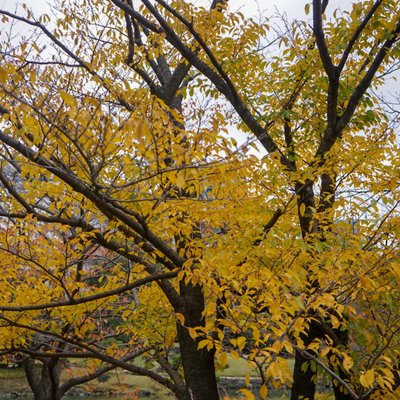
{"x":13,"y":380}
{"x":12,"y":373}
{"x":237,"y":368}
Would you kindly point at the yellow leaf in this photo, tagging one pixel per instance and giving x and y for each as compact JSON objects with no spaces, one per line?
{"x":263,"y":391}
{"x":223,"y":359}
{"x":180,"y":181}
{"x":302,"y":209}
{"x":368,"y":283}
{"x":180,"y":317}
{"x":335,"y":322}
{"x":192,"y":332}
{"x":169,"y":337}
{"x":248,"y":394}
{"x":256,"y":334}
{"x":241,"y":341}
{"x":247,"y":380}
{"x":367,"y":378}
{"x":141,"y":129}
{"x":203,"y":343}
{"x":3,"y":75}
{"x":274,"y":369}
{"x":347,"y":362}
{"x":68,"y":99}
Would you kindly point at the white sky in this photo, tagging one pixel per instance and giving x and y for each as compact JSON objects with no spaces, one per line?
{"x":293,"y":8}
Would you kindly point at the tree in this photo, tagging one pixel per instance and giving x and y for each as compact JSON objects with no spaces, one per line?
{"x":292,"y":253}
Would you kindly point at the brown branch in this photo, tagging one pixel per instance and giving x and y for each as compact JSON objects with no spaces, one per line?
{"x":320,"y":39}
{"x":174,"y":81}
{"x":333,"y":134}
{"x":94,"y":297}
{"x":357,"y":34}
{"x":81,"y":187}
{"x":100,"y":371}
{"x":170,"y":292}
{"x":324,"y":5}
{"x":230,"y":93}
{"x":83,"y":379}
{"x":309,"y":356}
{"x":268,"y":226}
{"x":195,"y":34}
{"x":63,"y":47}
{"x":134,"y":39}
{"x":364,"y":84}
{"x":327,"y":195}
{"x":15,"y":194}
{"x":172,"y":372}
{"x":59,"y":63}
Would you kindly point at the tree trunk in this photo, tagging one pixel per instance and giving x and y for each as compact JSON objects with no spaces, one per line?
{"x":340,"y":392}
{"x":44,"y":384}
{"x":303,"y":380}
{"x":198,"y":365}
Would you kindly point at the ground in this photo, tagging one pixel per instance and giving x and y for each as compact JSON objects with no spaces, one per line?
{"x":13,"y":380}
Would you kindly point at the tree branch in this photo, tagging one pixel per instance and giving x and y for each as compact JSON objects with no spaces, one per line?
{"x":306,"y":354}
{"x":366,"y":81}
{"x":230,"y":93}
{"x":357,"y":34}
{"x":321,"y":43}
{"x":97,"y":354}
{"x":81,"y":187}
{"x":82,"y":63}
{"x":94,"y":297}
{"x":89,"y":377}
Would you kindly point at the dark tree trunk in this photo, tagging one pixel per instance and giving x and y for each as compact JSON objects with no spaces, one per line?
{"x":303,"y":380}
{"x":46,"y":382}
{"x":304,"y":386}
{"x":303,"y":376}
{"x":339,"y":391}
{"x":198,"y":365}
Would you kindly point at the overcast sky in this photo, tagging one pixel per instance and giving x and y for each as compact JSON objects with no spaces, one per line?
{"x":293,"y":8}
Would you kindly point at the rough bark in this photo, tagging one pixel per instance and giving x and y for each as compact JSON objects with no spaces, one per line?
{"x":198,"y":364}
{"x":304,"y":386}
{"x":44,"y":383}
